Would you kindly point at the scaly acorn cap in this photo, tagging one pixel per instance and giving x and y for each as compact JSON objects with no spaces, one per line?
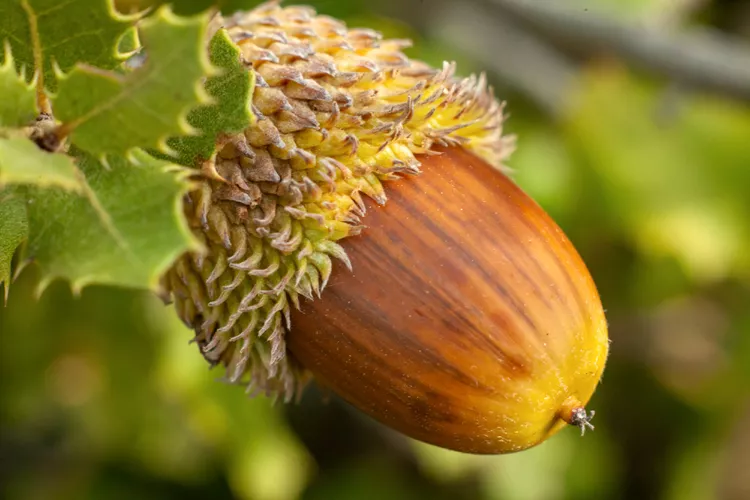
{"x":339,"y":111}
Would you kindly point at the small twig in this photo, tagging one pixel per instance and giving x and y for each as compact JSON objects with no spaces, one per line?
{"x":42,"y":132}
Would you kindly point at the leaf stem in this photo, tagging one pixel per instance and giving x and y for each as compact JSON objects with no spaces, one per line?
{"x":41,"y":97}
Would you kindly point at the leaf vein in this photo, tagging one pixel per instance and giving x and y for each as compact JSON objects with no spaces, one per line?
{"x":149,"y":76}
{"x":53,"y":8}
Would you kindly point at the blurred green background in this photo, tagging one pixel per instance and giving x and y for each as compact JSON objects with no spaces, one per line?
{"x":646,"y":170}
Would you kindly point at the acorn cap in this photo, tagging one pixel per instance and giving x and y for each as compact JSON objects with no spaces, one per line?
{"x":338,"y":112}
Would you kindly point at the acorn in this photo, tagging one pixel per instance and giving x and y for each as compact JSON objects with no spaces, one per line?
{"x":364,"y":233}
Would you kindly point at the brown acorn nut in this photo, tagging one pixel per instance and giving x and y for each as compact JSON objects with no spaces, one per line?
{"x":469,"y":320}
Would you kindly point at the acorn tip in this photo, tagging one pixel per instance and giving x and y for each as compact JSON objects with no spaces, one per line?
{"x":581,"y":419}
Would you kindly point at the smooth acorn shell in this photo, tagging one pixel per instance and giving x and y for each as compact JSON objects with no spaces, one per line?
{"x":469,"y":321}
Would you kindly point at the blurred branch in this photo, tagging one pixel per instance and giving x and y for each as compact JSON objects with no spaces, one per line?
{"x":513,"y":53}
{"x":704,"y":60}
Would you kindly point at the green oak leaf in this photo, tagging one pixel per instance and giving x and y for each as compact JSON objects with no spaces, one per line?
{"x":105,"y":112}
{"x":18,"y":102}
{"x":14,"y":228}
{"x":190,"y":7}
{"x":230,"y":112}
{"x":126,"y":230}
{"x":51,"y":34}
{"x":22,"y":162}
{"x":130,"y":42}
